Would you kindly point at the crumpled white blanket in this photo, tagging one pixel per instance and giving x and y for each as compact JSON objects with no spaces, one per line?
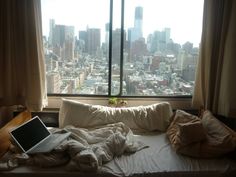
{"x":85,"y":149}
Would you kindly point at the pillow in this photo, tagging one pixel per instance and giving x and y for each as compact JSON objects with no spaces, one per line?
{"x":213,"y":138}
{"x":183,"y":130}
{"x":191,"y":132}
{"x":220,"y":138}
{"x":148,"y":118}
{"x":5,"y":137}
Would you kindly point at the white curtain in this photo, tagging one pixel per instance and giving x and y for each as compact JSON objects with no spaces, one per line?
{"x":215,"y":87}
{"x":22,"y":68}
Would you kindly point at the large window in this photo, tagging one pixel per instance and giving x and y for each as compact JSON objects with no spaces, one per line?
{"x":121,"y":47}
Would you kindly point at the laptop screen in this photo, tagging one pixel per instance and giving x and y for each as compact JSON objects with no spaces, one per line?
{"x":30,"y":133}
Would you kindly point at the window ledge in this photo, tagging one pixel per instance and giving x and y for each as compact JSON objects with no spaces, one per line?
{"x":176,"y":103}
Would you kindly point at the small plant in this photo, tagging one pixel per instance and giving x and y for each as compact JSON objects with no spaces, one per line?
{"x":113,"y":101}
{"x":116,"y":102}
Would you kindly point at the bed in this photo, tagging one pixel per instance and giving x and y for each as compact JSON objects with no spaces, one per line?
{"x":158,"y":158}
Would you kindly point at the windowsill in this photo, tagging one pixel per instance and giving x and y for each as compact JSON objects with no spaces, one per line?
{"x":54,"y":102}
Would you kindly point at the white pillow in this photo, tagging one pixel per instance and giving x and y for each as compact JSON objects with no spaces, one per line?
{"x":151,"y":117}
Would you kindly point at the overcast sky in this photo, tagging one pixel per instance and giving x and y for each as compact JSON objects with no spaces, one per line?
{"x":184,"y":17}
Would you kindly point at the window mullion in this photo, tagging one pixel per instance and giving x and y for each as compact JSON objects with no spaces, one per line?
{"x":121,"y":47}
{"x":110,"y":48}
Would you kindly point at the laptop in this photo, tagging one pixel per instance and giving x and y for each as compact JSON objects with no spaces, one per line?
{"x":34,"y":137}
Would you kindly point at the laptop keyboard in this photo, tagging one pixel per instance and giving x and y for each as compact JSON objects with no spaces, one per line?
{"x":50,"y":143}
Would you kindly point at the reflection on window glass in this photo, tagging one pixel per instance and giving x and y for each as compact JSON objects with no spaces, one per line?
{"x":160,"y":46}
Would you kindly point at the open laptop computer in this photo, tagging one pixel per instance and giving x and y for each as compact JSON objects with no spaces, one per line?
{"x":34,"y":137}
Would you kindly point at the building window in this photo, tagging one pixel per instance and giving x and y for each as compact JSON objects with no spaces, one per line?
{"x":121,"y":47}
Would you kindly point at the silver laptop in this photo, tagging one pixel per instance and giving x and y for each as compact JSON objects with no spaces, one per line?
{"x":34,"y":137}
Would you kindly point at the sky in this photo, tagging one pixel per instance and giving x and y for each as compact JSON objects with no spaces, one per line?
{"x":184,"y":17}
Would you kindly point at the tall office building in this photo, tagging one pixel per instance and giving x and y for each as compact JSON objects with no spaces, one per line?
{"x":138,"y":22}
{"x":106,"y":47}
{"x":157,"y":42}
{"x":167,"y":35}
{"x":63,"y":42}
{"x":116,"y":38}
{"x":69,"y":43}
{"x":136,"y":32}
{"x":53,"y":82}
{"x":107,"y":33}
{"x":51,"y":28}
{"x":93,"y":40}
{"x":83,"y":41}
{"x":83,"y":35}
{"x":138,"y":49}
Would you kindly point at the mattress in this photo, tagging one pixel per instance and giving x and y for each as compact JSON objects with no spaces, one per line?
{"x":158,"y":160}
{"x":161,"y":160}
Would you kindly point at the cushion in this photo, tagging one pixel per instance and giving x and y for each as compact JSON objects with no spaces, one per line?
{"x":191,"y":132}
{"x":147,"y":118}
{"x":205,"y":138}
{"x":220,"y":138}
{"x":183,"y":130}
{"x":5,"y":137}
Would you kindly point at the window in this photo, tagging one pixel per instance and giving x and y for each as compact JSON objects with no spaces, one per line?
{"x":121,"y":47}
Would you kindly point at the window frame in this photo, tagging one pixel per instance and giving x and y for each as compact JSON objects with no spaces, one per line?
{"x":88,"y":97}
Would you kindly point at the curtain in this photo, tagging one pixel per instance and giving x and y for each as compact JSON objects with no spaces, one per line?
{"x":215,"y":85}
{"x":22,"y":68}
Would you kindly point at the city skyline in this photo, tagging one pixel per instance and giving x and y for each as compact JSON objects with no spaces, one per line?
{"x":97,"y":18}
{"x":153,"y":65}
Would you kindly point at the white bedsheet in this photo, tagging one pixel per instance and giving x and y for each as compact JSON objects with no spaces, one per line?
{"x":158,"y":159}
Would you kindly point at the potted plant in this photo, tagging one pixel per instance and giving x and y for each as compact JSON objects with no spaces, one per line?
{"x":116,"y":102}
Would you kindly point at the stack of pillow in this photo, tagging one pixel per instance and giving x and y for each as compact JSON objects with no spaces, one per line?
{"x":203,"y":136}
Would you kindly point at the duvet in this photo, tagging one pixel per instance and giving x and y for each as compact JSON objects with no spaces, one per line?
{"x":85,"y":149}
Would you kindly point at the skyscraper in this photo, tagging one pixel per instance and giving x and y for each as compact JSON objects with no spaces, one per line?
{"x":138,"y":22}
{"x":116,"y":45}
{"x":93,"y":40}
{"x":83,"y":36}
{"x":53,"y":82}
{"x":107,"y":33}
{"x":135,"y":35}
{"x":51,"y":26}
{"x":63,"y":41}
{"x":136,"y":32}
{"x":157,"y":42}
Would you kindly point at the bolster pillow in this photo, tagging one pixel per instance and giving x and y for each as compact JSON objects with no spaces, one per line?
{"x":148,"y":118}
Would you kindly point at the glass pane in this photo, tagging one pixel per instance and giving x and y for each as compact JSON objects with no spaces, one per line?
{"x":162,"y":48}
{"x":76,"y":46}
